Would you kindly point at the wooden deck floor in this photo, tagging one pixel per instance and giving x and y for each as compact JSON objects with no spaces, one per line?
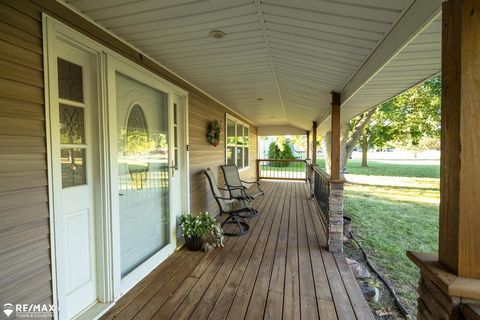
{"x":279,"y":270}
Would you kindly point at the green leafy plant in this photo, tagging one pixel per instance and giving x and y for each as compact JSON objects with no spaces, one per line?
{"x":280,"y":151}
{"x":287,"y":151}
{"x":196,"y":225}
{"x":214,"y":131}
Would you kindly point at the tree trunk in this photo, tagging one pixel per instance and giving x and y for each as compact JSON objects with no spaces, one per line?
{"x":327,"y":148}
{"x":347,"y":140}
{"x":364,"y":150}
{"x":345,"y":151}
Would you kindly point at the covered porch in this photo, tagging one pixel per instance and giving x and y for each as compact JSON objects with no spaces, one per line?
{"x":247,"y":65}
{"x":280,"y":269}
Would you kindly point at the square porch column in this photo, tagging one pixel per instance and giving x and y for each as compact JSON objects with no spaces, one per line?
{"x":459,"y":239}
{"x":335,"y":202}
{"x":314,"y":143}
{"x":307,"y":133}
{"x":335,"y":154}
{"x":454,"y":276}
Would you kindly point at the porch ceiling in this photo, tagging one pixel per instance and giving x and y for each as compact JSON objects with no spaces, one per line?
{"x":289,"y":54}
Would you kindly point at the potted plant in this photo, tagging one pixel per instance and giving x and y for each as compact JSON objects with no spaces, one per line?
{"x":195,"y":228}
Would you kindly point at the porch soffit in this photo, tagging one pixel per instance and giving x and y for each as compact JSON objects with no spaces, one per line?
{"x":279,"y":60}
{"x":279,"y":130}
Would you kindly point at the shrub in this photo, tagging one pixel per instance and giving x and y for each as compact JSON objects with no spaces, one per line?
{"x":287,"y":152}
{"x":274,"y":152}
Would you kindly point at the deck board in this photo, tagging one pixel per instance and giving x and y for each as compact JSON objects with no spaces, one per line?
{"x":291,"y":305}
{"x":308,"y":307}
{"x":279,"y":270}
{"x":275,"y":294}
{"x":258,"y":268}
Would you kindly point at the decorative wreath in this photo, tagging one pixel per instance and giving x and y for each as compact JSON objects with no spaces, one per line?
{"x":214,"y":131}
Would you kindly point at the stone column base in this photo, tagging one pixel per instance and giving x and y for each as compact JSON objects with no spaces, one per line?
{"x":441,"y":293}
{"x":434,"y":304}
{"x":335,"y":217}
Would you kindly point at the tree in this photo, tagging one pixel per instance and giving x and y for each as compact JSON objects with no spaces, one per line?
{"x":299,"y":141}
{"x":273,"y":151}
{"x":416,"y":113}
{"x":410,"y":121}
{"x":377,"y":133}
{"x":404,"y":120}
{"x":287,"y":153}
{"x":280,"y":150}
{"x":364,"y":149}
{"x":350,"y":133}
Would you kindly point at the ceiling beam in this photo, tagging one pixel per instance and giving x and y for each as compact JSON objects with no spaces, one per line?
{"x":411,"y":23}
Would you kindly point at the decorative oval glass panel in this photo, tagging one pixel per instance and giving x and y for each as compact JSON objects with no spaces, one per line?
{"x":137,"y":147}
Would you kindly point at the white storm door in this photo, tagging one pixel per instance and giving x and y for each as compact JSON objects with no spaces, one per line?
{"x":144,"y":225}
{"x":72,"y":113}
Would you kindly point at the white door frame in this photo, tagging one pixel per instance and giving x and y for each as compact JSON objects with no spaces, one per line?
{"x":109,"y":290}
{"x":131,"y":70}
{"x":183,"y":202}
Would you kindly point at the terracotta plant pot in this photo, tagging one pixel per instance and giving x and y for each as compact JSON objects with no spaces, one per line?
{"x":194,"y":243}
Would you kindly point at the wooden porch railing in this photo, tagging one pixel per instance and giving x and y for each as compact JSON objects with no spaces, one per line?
{"x":290,"y":169}
{"x":328,"y":194}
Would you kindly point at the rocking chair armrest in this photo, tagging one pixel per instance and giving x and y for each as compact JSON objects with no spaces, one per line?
{"x":232,"y":187}
{"x":254,"y":182}
{"x":223,"y":198}
{"x":251,"y":182}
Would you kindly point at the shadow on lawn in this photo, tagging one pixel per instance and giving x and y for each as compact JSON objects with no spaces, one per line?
{"x":390,"y":168}
{"x":436,"y":189}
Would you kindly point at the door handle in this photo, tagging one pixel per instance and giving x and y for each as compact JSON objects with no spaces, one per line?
{"x":173,"y":168}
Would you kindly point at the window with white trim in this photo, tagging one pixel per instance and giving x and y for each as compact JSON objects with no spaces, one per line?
{"x":237,"y":142}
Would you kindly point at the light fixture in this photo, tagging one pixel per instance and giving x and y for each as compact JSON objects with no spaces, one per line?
{"x":217,"y":34}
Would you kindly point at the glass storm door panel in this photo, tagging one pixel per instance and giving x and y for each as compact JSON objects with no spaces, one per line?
{"x":143,"y":171}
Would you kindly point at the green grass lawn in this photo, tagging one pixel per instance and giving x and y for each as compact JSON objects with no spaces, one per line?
{"x":394,"y":208}
{"x":393,"y":168}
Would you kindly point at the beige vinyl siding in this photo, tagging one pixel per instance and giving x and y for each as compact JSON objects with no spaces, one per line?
{"x":24,"y":228}
{"x":25,"y":275}
{"x":203,"y":155}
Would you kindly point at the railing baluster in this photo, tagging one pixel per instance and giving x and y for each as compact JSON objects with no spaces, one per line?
{"x":288,"y":169}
